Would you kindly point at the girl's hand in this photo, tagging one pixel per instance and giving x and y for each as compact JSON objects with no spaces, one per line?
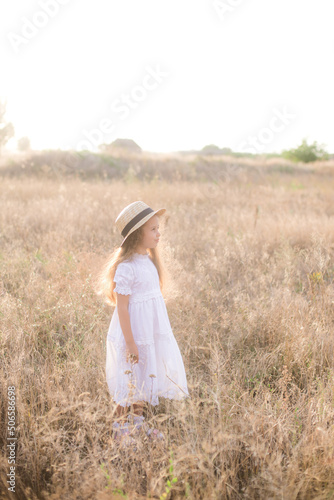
{"x":132,"y":354}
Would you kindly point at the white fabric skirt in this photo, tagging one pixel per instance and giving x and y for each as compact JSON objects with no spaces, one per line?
{"x":160,"y":370}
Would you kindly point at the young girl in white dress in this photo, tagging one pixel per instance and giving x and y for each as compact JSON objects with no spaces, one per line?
{"x":143,"y":358}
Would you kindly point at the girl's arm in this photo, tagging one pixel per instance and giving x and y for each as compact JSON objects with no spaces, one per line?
{"x":124,"y":320}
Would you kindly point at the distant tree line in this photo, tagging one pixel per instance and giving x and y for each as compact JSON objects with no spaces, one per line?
{"x":304,"y":152}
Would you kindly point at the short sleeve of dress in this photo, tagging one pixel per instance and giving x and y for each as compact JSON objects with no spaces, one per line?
{"x":124,"y":278}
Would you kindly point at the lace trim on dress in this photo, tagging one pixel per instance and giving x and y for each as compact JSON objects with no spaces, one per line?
{"x":141,"y":297}
{"x":121,"y":289}
{"x":140,"y":255}
{"x":124,"y":279}
{"x":164,"y":337}
{"x":120,"y":343}
{"x":123,"y":398}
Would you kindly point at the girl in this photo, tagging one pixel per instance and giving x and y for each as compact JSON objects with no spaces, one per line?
{"x":143,"y":359}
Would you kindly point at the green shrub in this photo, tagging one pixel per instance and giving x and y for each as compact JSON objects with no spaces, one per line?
{"x":306,"y":152}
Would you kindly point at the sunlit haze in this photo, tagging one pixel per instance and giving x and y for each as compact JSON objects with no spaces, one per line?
{"x":172,"y":75}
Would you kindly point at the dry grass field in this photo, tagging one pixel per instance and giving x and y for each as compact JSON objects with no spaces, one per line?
{"x":250,"y":297}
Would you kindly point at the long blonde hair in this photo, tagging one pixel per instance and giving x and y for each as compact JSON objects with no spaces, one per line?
{"x":105,"y":279}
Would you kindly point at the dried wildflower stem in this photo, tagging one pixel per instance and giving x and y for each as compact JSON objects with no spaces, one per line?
{"x":177,"y":385}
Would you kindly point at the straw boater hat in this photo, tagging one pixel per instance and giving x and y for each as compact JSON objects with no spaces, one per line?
{"x":133,"y":216}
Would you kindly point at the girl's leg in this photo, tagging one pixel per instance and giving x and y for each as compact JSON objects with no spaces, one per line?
{"x":121,"y":411}
{"x":121,"y":430}
{"x":138,"y":408}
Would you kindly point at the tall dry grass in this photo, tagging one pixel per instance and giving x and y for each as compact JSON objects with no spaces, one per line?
{"x":250,"y":299}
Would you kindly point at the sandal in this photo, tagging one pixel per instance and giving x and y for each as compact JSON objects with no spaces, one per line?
{"x":138,"y":423}
{"x":121,"y":435}
{"x":155,"y":434}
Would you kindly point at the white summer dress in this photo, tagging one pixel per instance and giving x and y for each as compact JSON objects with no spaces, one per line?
{"x":160,"y":370}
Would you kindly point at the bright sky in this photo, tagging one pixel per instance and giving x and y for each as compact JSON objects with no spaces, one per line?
{"x":171,"y":75}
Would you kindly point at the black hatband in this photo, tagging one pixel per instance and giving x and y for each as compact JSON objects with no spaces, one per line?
{"x":136,"y":219}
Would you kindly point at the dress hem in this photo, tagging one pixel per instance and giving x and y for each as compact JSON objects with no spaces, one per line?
{"x":153,"y":404}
